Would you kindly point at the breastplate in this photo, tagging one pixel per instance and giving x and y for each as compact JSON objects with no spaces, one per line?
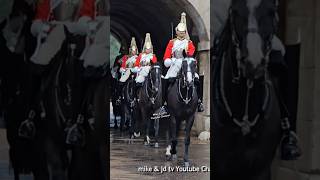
{"x":178,"y":54}
{"x":145,"y":61}
{"x":67,"y":10}
{"x":130,"y":62}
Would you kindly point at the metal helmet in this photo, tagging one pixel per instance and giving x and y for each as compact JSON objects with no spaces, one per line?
{"x":147,"y":43}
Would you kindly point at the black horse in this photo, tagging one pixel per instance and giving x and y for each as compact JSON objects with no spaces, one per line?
{"x":246,"y":126}
{"x":26,"y":155}
{"x":182,"y":105}
{"x":149,"y":100}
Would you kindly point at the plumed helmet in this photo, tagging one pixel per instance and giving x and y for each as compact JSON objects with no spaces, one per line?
{"x":147,"y":43}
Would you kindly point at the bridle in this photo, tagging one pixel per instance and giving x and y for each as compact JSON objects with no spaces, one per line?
{"x":244,"y":123}
{"x":153,"y":96}
{"x":236,"y":42}
{"x":183,"y":78}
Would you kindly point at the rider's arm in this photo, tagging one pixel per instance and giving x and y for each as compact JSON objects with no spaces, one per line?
{"x":154,"y":59}
{"x":42,"y":15}
{"x":137,"y":63}
{"x":168,"y":52}
{"x":86,"y":14}
{"x":124,"y":61}
{"x":43,"y":10}
{"x":87,"y":9}
{"x":191,"y":48}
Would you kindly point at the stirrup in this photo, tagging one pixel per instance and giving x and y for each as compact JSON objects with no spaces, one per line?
{"x":76,"y":134}
{"x":289,"y":147}
{"x":27,"y":128}
{"x":200,"y":107}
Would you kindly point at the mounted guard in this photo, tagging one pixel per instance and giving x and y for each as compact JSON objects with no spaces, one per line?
{"x":144,"y":61}
{"x":128,"y":61}
{"x":176,"y":50}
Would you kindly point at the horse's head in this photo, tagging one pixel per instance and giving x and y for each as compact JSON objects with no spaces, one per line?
{"x":155,"y":77}
{"x":253,"y":24}
{"x":188,"y":70}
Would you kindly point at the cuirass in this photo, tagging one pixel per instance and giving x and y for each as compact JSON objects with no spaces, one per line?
{"x":178,"y":54}
{"x":67,"y":10}
{"x":146,"y":60}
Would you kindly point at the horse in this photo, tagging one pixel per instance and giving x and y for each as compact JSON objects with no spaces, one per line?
{"x":246,"y":118}
{"x":182,"y":105}
{"x":128,"y":104}
{"x":149,"y":100}
{"x":70,"y":100}
{"x":26,"y":155}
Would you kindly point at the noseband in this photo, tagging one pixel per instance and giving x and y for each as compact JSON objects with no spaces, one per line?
{"x":187,"y":99}
{"x":244,"y":123}
{"x":236,"y":44}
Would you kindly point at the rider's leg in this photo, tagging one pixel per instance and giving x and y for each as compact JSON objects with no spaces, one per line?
{"x":289,"y":147}
{"x":200,"y":94}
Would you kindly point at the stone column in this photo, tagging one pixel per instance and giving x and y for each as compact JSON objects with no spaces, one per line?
{"x":202,"y":121}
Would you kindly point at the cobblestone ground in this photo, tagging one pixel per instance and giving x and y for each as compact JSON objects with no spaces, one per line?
{"x":128,"y":156}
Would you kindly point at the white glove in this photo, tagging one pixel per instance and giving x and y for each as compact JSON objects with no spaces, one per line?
{"x":82,"y":27}
{"x":277,"y":45}
{"x":38,"y":27}
{"x":167,"y":62}
{"x":135,"y":69}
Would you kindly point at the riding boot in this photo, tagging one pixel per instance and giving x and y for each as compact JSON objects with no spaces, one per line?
{"x":163,"y":110}
{"x":289,"y":143}
{"x":27,"y":128}
{"x":200,"y":95}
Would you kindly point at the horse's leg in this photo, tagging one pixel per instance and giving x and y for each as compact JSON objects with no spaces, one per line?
{"x":189,"y":124}
{"x":146,"y":122}
{"x":56,"y":164}
{"x":168,"y":136}
{"x":123,"y":116}
{"x":174,"y":126}
{"x":136,"y":126}
{"x":132,"y":122}
{"x":156,"y":128}
{"x":115,"y":113}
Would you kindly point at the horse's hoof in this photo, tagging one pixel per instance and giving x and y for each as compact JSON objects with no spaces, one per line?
{"x":136,"y":134}
{"x":156,"y":145}
{"x":186,"y":164}
{"x":173,"y":157}
{"x":168,"y":157}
